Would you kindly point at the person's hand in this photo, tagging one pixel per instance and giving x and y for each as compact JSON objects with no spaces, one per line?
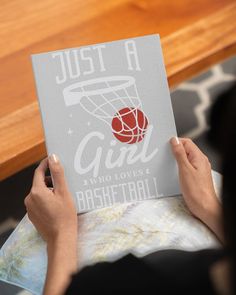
{"x":196,"y":183}
{"x":52,"y":211}
{"x":194,"y":174}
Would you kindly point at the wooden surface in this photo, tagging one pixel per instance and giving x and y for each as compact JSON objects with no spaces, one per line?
{"x":195,"y":35}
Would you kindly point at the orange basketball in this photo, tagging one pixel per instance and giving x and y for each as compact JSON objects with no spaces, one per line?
{"x":129,"y":125}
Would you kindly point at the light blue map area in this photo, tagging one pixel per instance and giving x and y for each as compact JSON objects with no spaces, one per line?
{"x":23,"y":258}
{"x":107,"y":234}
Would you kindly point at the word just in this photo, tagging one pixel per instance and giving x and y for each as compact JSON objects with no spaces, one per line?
{"x":74,"y":63}
{"x":111,"y":159}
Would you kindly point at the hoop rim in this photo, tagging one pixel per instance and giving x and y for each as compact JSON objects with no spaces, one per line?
{"x":72,"y":97}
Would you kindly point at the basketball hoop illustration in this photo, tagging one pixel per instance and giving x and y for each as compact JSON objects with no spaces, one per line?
{"x":115,"y":101}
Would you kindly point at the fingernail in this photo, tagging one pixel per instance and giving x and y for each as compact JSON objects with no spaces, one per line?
{"x":177,"y":140}
{"x":53,"y":158}
{"x":174,"y":140}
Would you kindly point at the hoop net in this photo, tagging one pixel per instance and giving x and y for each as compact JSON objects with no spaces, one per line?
{"x":105,"y":97}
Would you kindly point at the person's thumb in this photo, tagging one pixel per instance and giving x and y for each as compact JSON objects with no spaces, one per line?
{"x":57,"y":173}
{"x":179,"y":152}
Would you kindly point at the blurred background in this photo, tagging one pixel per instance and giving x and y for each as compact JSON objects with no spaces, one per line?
{"x":199,"y":46}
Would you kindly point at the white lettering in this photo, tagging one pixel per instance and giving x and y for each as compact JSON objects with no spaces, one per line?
{"x":76,"y":74}
{"x":95,"y":163}
{"x":100,"y":57}
{"x":63,"y":68}
{"x":127,"y":154}
{"x":71,"y":64}
{"x":88,"y":59}
{"x":132,"y":55}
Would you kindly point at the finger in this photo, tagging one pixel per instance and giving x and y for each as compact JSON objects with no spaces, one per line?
{"x":26,"y":201}
{"x":39,"y":174}
{"x":57,"y":173}
{"x":190,"y":146}
{"x":195,"y":155}
{"x":179,"y":152}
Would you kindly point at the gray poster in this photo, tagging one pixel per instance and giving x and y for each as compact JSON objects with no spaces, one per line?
{"x":107,"y":114}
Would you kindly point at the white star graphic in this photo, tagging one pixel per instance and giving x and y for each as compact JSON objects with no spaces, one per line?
{"x":70,"y":131}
